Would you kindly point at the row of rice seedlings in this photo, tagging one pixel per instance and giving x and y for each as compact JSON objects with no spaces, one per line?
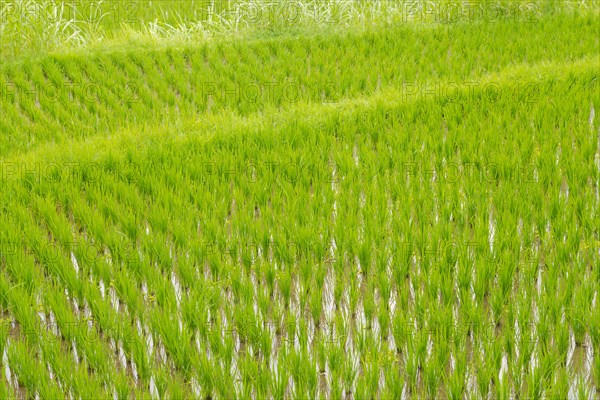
{"x":107,"y":85}
{"x":72,"y":84}
{"x":108,"y":95}
{"x":27,"y":108}
{"x":138,"y":91}
{"x":84,"y":92}
{"x":38,"y":80}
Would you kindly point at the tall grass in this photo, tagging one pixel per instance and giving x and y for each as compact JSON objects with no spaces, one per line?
{"x":34,"y":26}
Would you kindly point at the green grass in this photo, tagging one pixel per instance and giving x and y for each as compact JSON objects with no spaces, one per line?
{"x":422,"y":222}
{"x":32,"y":26}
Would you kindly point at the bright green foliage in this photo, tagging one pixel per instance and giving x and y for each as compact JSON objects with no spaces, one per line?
{"x":421,"y":222}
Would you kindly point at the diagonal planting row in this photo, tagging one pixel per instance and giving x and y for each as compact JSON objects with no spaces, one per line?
{"x":376,"y":248}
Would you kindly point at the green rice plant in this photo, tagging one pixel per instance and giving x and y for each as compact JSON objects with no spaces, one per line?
{"x":6,"y":391}
{"x":484,"y":377}
{"x":279,"y":382}
{"x":560,"y":383}
{"x":432,"y":377}
{"x":596,"y":371}
{"x":455,"y":381}
{"x":583,"y":389}
{"x":335,"y":357}
{"x":4,"y":328}
{"x":349,"y":375}
{"x":28,"y":370}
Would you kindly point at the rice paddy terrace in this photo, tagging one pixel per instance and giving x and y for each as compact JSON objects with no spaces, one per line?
{"x":373,"y":206}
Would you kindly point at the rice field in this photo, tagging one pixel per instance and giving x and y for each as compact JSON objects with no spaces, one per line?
{"x":300,"y":199}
